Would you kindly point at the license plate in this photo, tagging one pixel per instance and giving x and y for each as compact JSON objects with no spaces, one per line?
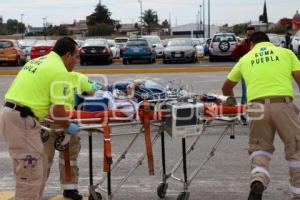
{"x":136,"y":50}
{"x":177,"y":55}
{"x":3,"y":58}
{"x":93,"y":51}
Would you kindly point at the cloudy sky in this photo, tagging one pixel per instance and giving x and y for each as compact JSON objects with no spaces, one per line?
{"x":128,"y":11}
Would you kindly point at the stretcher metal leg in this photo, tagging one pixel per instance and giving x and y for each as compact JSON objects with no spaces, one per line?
{"x":93,"y":195}
{"x":162,"y":187}
{"x":185,"y":194}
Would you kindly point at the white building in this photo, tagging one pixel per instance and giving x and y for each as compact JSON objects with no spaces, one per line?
{"x":192,"y":30}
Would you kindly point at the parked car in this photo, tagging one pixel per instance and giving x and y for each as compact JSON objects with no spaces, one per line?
{"x":27,"y":44}
{"x":295,"y":43}
{"x":138,"y":49}
{"x":222,"y":45}
{"x":10,"y":51}
{"x":41,"y":48}
{"x":95,"y":50}
{"x":277,"y":40}
{"x":199,"y":47}
{"x":180,"y":50}
{"x":121,"y":43}
{"x":114,"y":49}
{"x":155,"y":42}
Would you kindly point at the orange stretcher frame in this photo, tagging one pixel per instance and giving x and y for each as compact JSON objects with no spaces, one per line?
{"x":145,"y":116}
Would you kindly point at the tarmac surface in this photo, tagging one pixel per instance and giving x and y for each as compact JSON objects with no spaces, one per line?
{"x":224,"y":177}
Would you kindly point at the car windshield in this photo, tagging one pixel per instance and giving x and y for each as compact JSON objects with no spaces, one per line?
{"x":121,"y":40}
{"x":95,"y":43}
{"x":45,"y":43}
{"x":27,"y":43}
{"x":5,"y":44}
{"x":111,"y":43}
{"x":152,"y":40}
{"x":180,"y":43}
{"x":137,"y":43}
{"x":219,"y":38}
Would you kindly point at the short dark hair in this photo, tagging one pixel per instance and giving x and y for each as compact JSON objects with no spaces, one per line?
{"x":258,"y":37}
{"x":64,"y":45}
{"x":250,"y":28}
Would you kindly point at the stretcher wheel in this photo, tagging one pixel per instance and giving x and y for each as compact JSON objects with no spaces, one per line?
{"x":57,"y":144}
{"x":44,"y":136}
{"x":162,"y":190}
{"x":183,"y":196}
{"x":99,"y":196}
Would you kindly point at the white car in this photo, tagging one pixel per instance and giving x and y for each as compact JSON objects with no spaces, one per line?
{"x":114,"y":49}
{"x":199,"y":47}
{"x":295,"y":44}
{"x":222,"y":45}
{"x":155,"y":42}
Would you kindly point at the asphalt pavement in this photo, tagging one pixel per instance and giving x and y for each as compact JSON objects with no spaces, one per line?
{"x":224,"y":177}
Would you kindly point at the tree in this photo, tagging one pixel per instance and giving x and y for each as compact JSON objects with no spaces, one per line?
{"x":100,"y":29}
{"x":3,"y":29}
{"x":239,"y":29}
{"x":13,"y":26}
{"x":101,"y":19}
{"x":165,"y":24}
{"x":150,"y":19}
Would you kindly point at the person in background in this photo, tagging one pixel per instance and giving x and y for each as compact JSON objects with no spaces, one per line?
{"x":239,"y":51}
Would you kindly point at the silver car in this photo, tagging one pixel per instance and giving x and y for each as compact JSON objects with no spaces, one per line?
{"x":180,"y":50}
{"x":222,"y":45}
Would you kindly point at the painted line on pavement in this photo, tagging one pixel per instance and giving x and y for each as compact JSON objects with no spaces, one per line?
{"x":140,"y":70}
{"x":7,"y":195}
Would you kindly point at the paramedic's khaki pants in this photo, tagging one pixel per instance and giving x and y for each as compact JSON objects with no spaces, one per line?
{"x":74,"y":149}
{"x":266,"y":119}
{"x":27,"y":153}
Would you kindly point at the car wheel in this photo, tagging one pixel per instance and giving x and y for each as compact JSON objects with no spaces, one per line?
{"x":224,"y":46}
{"x":130,"y":61}
{"x":0,"y":63}
{"x":124,"y":61}
{"x":82,"y":63}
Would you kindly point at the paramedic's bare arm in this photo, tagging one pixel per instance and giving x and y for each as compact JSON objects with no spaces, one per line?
{"x":60,"y":116}
{"x":296,"y":76}
{"x":227,"y":88}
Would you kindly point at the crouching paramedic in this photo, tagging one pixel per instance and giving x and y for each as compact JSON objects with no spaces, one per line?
{"x":37,"y":90}
{"x":268,"y":72}
{"x":78,"y":84}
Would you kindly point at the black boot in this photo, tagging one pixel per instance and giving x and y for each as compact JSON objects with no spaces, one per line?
{"x":72,"y":194}
{"x":257,"y":189}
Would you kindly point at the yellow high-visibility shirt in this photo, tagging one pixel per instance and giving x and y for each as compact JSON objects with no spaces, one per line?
{"x":79,"y":83}
{"x":267,"y":71}
{"x":40,"y":83}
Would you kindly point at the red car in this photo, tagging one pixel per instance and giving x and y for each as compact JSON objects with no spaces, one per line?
{"x":41,"y":48}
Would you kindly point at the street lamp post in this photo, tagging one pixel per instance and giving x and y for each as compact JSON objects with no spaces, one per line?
{"x":141,"y":6}
{"x":200,"y":19}
{"x":22,"y":29}
{"x":45,"y":27}
{"x":208,"y":20}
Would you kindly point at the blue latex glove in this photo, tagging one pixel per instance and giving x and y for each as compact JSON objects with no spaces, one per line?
{"x":73,"y":129}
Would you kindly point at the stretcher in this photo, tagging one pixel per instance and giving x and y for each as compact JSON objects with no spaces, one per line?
{"x":213,"y":116}
{"x":102,"y":122}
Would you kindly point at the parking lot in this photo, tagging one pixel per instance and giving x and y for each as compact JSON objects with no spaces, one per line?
{"x":224,"y":177}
